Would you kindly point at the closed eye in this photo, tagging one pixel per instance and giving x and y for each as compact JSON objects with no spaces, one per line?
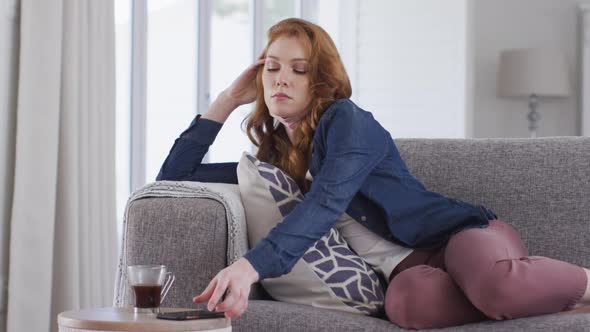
{"x":301,"y":72}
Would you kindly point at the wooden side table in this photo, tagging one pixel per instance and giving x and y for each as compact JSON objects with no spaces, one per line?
{"x":124,"y":319}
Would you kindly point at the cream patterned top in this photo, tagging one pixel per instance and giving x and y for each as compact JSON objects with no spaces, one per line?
{"x":381,"y":254}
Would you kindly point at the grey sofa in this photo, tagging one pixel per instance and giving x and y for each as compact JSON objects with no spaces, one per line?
{"x":540,"y":186}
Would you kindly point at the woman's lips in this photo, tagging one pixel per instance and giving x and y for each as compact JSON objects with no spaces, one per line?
{"x":280,"y":96}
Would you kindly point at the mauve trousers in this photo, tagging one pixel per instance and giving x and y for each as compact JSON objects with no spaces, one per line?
{"x":481,"y":273}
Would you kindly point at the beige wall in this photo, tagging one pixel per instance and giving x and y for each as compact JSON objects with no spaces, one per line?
{"x":500,"y":24}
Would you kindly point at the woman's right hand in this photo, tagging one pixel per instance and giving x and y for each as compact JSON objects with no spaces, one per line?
{"x":243,"y":89}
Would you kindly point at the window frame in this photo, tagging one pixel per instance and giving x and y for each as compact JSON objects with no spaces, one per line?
{"x":138,"y":93}
{"x":138,"y":66}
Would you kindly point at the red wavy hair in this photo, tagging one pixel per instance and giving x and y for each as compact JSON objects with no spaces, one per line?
{"x":328,"y":82}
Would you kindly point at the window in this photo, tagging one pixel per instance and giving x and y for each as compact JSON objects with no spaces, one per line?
{"x":185,"y":52}
{"x":228,"y":59}
{"x":231,"y":53}
{"x":159,"y":80}
{"x":171,"y":77}
{"x":274,"y":11}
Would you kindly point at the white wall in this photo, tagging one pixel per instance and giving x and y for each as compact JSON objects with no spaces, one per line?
{"x":500,"y":24}
{"x":8,"y":65}
{"x":410,"y":69}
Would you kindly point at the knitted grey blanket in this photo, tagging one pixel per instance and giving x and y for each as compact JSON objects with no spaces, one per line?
{"x":226,"y":194}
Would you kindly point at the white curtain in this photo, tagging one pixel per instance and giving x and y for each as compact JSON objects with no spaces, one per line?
{"x":63,"y":223}
{"x":8,"y":64}
{"x":585,"y":67}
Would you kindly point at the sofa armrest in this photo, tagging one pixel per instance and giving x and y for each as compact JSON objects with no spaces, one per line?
{"x":189,"y":235}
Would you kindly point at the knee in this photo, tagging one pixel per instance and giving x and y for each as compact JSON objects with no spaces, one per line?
{"x":406,"y":303}
{"x":495,"y":295}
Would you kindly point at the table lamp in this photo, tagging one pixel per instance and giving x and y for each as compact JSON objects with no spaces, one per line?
{"x":533,"y":73}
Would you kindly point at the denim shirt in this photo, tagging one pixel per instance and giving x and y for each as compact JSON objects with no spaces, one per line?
{"x":356,"y":169}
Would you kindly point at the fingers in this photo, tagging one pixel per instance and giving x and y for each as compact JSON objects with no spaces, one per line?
{"x":250,"y":72}
{"x":230,"y":301}
{"x":231,"y":279}
{"x":206,"y":294}
{"x":217,"y":293}
{"x":257,"y":64}
{"x":234,"y":305}
{"x":261,"y":55}
{"x":239,"y":307}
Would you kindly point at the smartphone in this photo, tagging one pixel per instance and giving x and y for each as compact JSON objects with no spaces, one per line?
{"x":191,"y":314}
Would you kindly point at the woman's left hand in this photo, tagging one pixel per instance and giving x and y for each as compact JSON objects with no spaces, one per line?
{"x":237,"y":278}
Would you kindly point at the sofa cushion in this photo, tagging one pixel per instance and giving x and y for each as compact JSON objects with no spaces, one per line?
{"x":278,"y":316}
{"x":539,"y":186}
{"x":329,"y":275}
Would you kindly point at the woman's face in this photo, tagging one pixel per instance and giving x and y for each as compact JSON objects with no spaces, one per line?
{"x":285,"y":80}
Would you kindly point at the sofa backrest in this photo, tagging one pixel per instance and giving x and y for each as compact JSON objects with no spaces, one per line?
{"x":540,"y":186}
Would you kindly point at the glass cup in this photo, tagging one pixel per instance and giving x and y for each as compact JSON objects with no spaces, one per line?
{"x":150,"y":284}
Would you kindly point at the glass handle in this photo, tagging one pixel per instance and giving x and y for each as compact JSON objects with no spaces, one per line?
{"x":169,"y":281}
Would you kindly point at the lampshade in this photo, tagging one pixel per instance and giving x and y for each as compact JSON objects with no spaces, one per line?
{"x":523,"y":72}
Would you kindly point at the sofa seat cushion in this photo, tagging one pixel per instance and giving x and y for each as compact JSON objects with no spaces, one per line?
{"x":280,"y":316}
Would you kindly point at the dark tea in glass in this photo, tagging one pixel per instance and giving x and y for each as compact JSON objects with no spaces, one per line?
{"x":150,"y":284}
{"x":147,"y":296}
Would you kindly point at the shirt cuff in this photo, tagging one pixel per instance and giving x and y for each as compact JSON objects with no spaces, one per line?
{"x":202,"y":131}
{"x":264,"y":260}
{"x":490,"y":215}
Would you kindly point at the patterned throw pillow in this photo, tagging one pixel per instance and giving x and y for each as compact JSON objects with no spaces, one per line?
{"x":329,"y":275}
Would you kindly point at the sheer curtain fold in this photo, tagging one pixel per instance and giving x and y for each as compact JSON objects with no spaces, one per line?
{"x":63,"y":225}
{"x":9,"y":44}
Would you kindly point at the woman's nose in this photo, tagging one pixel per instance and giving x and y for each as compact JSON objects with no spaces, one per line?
{"x":281,"y":79}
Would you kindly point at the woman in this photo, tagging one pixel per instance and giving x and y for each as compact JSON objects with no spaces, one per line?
{"x":466,"y":266}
